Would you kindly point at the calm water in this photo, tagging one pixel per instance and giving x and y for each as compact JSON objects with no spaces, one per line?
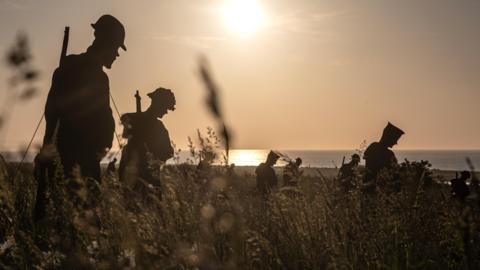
{"x":440,"y":159}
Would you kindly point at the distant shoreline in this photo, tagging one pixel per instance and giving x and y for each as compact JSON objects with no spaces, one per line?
{"x":445,"y":160}
{"x":307,"y":171}
{"x":331,"y":172}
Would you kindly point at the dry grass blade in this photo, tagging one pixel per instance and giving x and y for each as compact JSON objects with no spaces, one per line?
{"x":213,"y":103}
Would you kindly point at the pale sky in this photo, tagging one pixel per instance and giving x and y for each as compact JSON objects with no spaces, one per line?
{"x":313,"y":74}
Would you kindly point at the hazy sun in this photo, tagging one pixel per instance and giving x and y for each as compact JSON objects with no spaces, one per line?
{"x":243,"y":16}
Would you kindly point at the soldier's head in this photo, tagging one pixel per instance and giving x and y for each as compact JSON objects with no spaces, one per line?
{"x":298,"y":162}
{"x":163,"y":100}
{"x":355,"y":159}
{"x":390,"y":135}
{"x":109,"y":38}
{"x":272,"y":158}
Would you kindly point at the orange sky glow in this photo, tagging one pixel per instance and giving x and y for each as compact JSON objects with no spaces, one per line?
{"x":294,"y":74}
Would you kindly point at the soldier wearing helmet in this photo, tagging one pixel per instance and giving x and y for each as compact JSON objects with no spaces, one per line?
{"x":266,"y":177}
{"x":292,"y":173}
{"x":378,"y":156}
{"x":348,"y":171}
{"x":460,"y":189}
{"x":147,"y":137}
{"x":78,"y":115}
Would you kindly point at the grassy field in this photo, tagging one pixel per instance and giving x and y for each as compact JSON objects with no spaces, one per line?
{"x":210,"y":219}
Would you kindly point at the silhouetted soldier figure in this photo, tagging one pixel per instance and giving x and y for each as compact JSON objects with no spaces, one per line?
{"x":266,"y":177}
{"x":231,"y":171}
{"x":111,"y":166}
{"x":460,"y":189}
{"x":291,"y":173}
{"x":79,"y":102}
{"x":148,"y":139}
{"x":348,"y":171}
{"x":378,"y":156}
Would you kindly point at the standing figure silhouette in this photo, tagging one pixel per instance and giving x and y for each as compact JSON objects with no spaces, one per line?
{"x":78,"y":104}
{"x":147,"y":137}
{"x":460,"y":189}
{"x":79,"y":121}
{"x":347,"y":173}
{"x":378,"y":156}
{"x":266,"y":177}
{"x":292,"y":173}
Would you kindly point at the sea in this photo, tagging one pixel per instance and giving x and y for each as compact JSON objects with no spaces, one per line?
{"x":440,"y":159}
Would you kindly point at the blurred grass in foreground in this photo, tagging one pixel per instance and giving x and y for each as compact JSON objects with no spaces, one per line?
{"x":207,"y":218}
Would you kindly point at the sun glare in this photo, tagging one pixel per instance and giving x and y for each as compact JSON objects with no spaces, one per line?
{"x":245,"y":157}
{"x":243,"y":16}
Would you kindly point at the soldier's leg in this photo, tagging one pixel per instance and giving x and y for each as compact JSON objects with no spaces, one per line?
{"x":90,"y":166}
{"x":68,"y":160}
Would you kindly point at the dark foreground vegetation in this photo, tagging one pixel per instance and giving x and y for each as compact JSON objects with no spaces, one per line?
{"x":209,"y":218}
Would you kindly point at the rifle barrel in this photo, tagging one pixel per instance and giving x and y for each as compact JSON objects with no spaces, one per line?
{"x":138,"y":100}
{"x":65,"y":44}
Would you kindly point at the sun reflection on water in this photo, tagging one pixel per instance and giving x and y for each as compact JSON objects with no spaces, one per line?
{"x":248,"y":157}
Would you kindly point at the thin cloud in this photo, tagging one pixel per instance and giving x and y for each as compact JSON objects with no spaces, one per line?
{"x":310,"y":24}
{"x":198,"y":42}
{"x":14,"y":4}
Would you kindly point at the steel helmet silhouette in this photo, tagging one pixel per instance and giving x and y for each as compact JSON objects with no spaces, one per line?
{"x":163,"y":97}
{"x":109,"y":27}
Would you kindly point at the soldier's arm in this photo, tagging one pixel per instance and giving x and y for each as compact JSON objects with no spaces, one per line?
{"x":160,"y":144}
{"x":105,"y":126}
{"x":392,"y":159}
{"x":127,"y":123}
